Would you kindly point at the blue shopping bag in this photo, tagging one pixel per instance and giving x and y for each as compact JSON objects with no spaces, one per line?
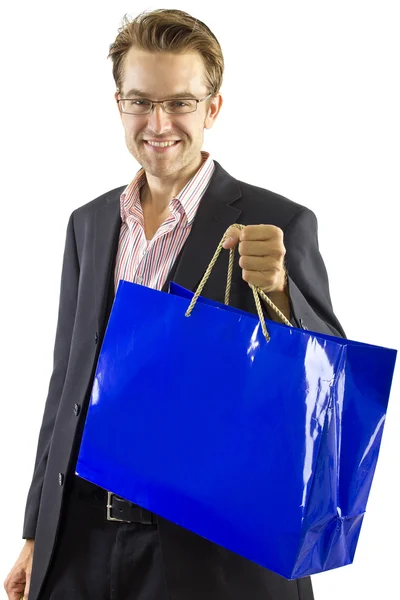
{"x":204,"y":415}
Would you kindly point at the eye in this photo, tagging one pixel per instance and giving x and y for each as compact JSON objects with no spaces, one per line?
{"x":178,"y":103}
{"x":139,"y":102}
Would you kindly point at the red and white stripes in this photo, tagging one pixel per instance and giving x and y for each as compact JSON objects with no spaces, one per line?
{"x":148,"y":263}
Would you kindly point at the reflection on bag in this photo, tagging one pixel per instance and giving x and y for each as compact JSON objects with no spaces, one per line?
{"x":264,"y":442}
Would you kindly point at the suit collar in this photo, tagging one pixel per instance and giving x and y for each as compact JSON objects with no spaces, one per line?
{"x":214,"y":215}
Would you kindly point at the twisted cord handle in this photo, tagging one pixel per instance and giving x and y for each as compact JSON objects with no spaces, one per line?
{"x":257,"y":292}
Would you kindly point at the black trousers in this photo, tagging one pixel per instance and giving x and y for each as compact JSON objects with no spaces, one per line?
{"x":96,"y":559}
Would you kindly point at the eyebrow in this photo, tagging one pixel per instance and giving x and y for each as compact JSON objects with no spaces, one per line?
{"x":141,"y":94}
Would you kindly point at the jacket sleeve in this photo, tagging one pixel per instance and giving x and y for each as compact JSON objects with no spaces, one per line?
{"x":65,"y":325}
{"x":308,"y":285}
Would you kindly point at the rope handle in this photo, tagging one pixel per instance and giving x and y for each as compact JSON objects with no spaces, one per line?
{"x":257,"y":292}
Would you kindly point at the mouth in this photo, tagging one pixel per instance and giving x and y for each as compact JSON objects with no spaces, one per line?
{"x":161,"y":149}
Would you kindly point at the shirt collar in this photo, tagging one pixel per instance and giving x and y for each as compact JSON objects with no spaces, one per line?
{"x":188,"y":197}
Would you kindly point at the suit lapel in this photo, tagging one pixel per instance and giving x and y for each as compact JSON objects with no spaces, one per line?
{"x":213,"y":217}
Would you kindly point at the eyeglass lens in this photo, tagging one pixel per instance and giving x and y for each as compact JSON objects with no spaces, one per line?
{"x":137,"y":106}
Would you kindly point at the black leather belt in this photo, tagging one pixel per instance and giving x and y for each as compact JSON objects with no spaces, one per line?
{"x":119,"y":509}
{"x":113,"y":507}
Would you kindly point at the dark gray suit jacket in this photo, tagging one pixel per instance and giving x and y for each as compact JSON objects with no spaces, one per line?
{"x":194,"y":567}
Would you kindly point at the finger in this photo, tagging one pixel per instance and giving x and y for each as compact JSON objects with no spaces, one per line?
{"x":260,"y":232}
{"x":261,"y":249}
{"x":232,"y":238}
{"x":261,"y":279}
{"x":27,"y":585}
{"x":253,"y":248}
{"x":260,"y":263}
{"x":16,"y":593}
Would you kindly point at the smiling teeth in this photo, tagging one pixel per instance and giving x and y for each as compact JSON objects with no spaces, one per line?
{"x":162,"y":144}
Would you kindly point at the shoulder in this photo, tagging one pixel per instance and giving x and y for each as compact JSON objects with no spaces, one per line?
{"x":270,"y":207}
{"x":87,"y":210}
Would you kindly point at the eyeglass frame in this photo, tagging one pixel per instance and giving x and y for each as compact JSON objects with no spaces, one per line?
{"x":153,"y":102}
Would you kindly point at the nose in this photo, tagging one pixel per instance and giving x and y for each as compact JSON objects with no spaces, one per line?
{"x":159,"y":120}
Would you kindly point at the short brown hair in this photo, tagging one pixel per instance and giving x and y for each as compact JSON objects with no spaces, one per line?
{"x":168,"y":30}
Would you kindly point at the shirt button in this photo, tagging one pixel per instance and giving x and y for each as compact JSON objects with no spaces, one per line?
{"x":60,"y":479}
{"x":139,"y":279}
{"x":77,"y":409}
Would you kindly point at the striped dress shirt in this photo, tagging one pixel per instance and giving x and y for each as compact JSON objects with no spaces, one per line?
{"x":148,"y":262}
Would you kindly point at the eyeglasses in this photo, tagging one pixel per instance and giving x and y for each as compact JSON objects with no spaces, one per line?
{"x":176,"y":106}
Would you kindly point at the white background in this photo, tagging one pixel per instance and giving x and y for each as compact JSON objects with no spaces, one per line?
{"x":324,"y":131}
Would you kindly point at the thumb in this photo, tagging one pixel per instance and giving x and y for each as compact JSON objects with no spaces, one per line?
{"x":231,"y":238}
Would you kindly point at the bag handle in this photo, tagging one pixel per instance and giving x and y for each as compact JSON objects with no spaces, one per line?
{"x":257,"y":292}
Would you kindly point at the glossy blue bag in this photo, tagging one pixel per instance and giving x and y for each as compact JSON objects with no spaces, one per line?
{"x":262,"y":441}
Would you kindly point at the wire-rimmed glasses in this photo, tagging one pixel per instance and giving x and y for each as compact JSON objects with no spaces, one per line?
{"x":174,"y":106}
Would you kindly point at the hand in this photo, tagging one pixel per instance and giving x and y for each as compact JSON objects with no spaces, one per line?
{"x":262,"y":254}
{"x":18,"y":579}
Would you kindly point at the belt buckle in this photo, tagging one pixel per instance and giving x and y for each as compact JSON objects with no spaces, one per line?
{"x":109,"y":507}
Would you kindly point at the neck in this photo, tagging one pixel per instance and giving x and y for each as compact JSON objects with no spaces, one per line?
{"x":157,"y":192}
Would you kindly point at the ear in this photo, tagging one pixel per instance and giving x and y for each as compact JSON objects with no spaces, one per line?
{"x":116,"y":96}
{"x":213,"y":111}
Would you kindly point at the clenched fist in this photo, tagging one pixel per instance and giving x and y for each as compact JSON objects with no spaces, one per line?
{"x":262,"y":253}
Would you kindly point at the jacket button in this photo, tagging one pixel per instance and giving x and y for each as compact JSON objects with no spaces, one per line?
{"x":77,"y":409}
{"x":96,"y":338}
{"x":60,"y":479}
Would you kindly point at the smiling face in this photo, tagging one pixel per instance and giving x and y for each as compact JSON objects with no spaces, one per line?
{"x":161,"y":76}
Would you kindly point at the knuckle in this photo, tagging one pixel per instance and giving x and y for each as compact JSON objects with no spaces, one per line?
{"x":278,"y":255}
{"x":277,"y":231}
{"x":245,"y":262}
{"x":244,"y":235}
{"x":243,"y":247}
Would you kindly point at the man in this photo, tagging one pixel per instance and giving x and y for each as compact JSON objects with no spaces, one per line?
{"x":163,"y":226}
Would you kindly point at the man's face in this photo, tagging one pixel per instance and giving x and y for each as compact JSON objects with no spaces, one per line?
{"x":159,"y":76}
